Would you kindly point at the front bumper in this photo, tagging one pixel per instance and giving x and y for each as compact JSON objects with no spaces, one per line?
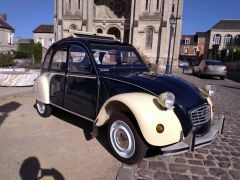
{"x":191,"y":141}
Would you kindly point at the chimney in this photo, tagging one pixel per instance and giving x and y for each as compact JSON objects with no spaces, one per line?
{"x":3,"y":17}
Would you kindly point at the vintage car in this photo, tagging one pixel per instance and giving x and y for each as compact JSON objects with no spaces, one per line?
{"x":106,"y":82}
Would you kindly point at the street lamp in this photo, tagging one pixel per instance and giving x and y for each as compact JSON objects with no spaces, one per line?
{"x":172,"y":20}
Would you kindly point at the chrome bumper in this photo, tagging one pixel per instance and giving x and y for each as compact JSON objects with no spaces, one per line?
{"x":191,"y":141}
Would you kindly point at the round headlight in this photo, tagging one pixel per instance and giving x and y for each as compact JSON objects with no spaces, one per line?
{"x":166,"y":100}
{"x":210,"y":90}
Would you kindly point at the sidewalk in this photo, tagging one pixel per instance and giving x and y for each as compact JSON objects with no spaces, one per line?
{"x":9,"y":91}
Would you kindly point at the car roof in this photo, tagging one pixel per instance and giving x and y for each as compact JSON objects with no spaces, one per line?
{"x":91,"y":40}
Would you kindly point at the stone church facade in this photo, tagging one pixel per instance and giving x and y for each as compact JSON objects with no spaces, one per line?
{"x":143,"y":23}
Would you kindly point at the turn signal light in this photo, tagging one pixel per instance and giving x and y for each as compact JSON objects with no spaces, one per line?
{"x":160,"y":128}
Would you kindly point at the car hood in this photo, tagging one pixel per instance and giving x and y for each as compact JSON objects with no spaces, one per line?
{"x":187,"y":95}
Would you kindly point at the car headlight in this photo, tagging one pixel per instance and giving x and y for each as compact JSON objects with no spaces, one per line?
{"x":210,"y":90}
{"x":166,"y":100}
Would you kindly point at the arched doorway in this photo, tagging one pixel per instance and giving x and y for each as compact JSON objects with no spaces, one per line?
{"x":115,"y":31}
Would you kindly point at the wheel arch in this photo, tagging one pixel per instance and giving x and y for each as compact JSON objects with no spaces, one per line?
{"x":147,"y":114}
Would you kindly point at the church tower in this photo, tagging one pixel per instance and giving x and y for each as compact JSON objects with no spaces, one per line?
{"x":143,"y":23}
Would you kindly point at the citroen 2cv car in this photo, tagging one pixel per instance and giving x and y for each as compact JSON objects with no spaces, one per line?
{"x":106,"y":82}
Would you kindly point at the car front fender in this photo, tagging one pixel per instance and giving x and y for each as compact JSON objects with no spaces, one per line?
{"x":148,"y":114}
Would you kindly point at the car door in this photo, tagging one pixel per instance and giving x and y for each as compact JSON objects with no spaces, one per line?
{"x":57,"y":70}
{"x":81,"y":93}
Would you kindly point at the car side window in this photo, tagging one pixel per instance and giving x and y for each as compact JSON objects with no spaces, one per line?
{"x":79,"y":60}
{"x":47,"y":60}
{"x":59,"y":60}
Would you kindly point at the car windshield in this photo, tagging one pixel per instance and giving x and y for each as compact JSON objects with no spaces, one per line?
{"x":214,"y":63}
{"x":116,"y":56}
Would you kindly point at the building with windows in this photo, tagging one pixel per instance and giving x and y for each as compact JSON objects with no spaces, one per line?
{"x":225,"y":35}
{"x":44,"y":34}
{"x":193,"y":47}
{"x":143,"y":23}
{"x":6,"y":35}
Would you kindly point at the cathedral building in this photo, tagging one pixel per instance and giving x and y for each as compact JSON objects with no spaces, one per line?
{"x":143,"y":23}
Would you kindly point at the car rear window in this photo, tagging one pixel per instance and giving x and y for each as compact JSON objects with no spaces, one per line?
{"x":214,"y":63}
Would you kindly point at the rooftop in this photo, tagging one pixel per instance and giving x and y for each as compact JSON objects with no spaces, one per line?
{"x":44,"y":28}
{"x":4,"y":24}
{"x":227,"y":24}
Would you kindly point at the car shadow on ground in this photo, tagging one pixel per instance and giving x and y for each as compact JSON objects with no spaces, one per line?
{"x":31,"y":170}
{"x":6,"y":109}
{"x":85,"y":125}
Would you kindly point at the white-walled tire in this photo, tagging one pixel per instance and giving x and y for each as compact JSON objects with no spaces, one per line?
{"x":125,"y":141}
{"x":43,"y":110}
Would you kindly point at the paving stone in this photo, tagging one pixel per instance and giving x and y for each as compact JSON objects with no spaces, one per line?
{"x":237,"y":166}
{"x":199,"y":156}
{"x":198,"y":170}
{"x":224,"y":164}
{"x":157,"y":165}
{"x":225,"y":153}
{"x":161,"y":176}
{"x":209,"y":163}
{"x":237,"y":154}
{"x":196,"y":178}
{"x":202,"y":151}
{"x":210,"y":178}
{"x":236,"y":160}
{"x":180,"y":160}
{"x":178,"y":168}
{"x":188,"y":155}
{"x":145,"y":174}
{"x":218,"y":172}
{"x":143,"y":164}
{"x":214,"y":152}
{"x":210,"y":157}
{"x":222,"y":158}
{"x":195,"y":162}
{"x":125,"y":173}
{"x":235,"y":174}
{"x":176,"y":176}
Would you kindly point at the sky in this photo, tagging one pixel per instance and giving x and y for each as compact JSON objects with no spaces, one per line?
{"x":198,"y":15}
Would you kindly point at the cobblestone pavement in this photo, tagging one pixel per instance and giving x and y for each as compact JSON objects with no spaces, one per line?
{"x":220,"y":160}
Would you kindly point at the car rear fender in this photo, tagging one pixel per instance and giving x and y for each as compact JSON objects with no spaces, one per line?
{"x":41,"y":88}
{"x":148,"y":115}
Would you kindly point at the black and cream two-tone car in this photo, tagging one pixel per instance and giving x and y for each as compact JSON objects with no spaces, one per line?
{"x":106,"y":82}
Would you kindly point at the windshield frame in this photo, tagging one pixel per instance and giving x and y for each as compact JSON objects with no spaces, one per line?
{"x":123,"y":47}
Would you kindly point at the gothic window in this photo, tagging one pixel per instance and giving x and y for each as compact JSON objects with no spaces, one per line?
{"x":149,"y":38}
{"x":157,"y":4}
{"x":146,"y":5}
{"x":70,"y":5}
{"x":228,"y":39}
{"x":237,"y":40}
{"x":73,"y":27}
{"x":173,"y":8}
{"x":217,"y":39}
{"x":79,"y":4}
{"x":99,"y":30}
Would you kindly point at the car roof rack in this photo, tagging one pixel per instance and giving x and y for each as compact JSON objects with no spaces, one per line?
{"x":76,"y":34}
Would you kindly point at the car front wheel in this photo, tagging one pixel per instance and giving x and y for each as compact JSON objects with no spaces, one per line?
{"x":126,"y":143}
{"x":43,"y":110}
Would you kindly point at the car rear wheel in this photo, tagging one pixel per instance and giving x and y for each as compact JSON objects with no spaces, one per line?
{"x":43,"y":110}
{"x":222,"y":77}
{"x":126,"y":143}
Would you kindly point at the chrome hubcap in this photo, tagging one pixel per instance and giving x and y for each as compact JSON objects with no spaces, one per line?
{"x":41,"y":107}
{"x":122,"y":139}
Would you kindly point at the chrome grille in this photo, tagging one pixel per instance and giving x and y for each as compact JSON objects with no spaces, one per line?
{"x":200,"y":115}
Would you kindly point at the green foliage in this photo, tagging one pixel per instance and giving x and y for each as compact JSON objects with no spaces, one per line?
{"x":6,"y":60}
{"x":37,"y":53}
{"x":31,"y":51}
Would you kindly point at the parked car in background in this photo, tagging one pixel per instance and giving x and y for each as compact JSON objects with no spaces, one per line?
{"x":210,"y":68}
{"x":107,"y":83}
{"x":183,"y":63}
